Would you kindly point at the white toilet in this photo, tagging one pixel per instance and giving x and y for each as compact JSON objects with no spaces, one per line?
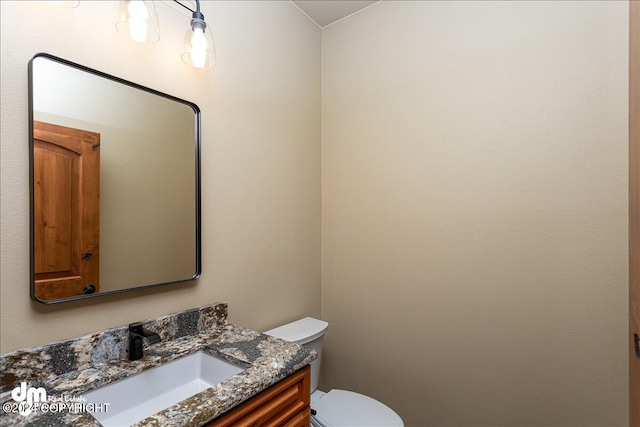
{"x":337,"y":408}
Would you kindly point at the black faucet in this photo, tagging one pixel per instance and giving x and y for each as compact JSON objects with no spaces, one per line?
{"x":136,"y":335}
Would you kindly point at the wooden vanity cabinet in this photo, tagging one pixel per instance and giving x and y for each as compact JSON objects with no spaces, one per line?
{"x":284,"y":404}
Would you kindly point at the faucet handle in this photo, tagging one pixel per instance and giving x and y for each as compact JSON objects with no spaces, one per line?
{"x":137,"y":327}
{"x":137,"y":333}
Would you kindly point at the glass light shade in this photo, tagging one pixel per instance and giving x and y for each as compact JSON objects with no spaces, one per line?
{"x":67,"y":4}
{"x":198,"y":48}
{"x":137,"y":20}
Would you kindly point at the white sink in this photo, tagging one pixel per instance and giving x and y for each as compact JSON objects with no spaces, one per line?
{"x":142,"y":395}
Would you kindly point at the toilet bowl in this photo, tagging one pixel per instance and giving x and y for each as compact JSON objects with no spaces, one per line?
{"x":336,"y":408}
{"x":341,"y":408}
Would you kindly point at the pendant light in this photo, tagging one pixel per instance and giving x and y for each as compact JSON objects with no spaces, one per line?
{"x":198,"y":48}
{"x":138,"y":20}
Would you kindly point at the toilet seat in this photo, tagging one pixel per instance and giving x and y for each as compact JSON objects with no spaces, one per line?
{"x":341,"y":408}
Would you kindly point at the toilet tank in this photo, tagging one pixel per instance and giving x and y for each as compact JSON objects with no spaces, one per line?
{"x":307,"y":332}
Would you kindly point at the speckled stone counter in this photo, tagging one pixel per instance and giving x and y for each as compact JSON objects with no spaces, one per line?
{"x":79,"y":365}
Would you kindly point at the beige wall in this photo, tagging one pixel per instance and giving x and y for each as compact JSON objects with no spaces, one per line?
{"x":260,"y":158}
{"x":474,"y":211}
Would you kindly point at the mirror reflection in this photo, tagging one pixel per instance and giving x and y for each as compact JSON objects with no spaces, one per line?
{"x":115,"y":184}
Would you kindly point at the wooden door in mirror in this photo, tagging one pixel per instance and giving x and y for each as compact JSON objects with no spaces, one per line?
{"x":66,"y":174}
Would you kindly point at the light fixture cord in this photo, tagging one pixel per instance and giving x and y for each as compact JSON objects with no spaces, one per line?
{"x":197,"y":14}
{"x":188,"y":8}
{"x":194,"y":13}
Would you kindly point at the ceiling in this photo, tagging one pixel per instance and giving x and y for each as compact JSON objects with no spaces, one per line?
{"x":325,"y":12}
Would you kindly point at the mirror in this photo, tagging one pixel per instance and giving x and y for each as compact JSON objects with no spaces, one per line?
{"x":115,"y":184}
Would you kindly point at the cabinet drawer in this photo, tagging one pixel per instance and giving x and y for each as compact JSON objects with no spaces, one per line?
{"x":303,"y":419}
{"x":277,"y":406}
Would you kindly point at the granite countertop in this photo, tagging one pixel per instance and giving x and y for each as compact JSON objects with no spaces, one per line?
{"x":266,"y":360}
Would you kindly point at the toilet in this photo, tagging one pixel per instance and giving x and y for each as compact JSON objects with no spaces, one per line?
{"x":336,"y":408}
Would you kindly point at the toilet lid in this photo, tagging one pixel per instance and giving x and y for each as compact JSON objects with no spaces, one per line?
{"x":340,"y":408}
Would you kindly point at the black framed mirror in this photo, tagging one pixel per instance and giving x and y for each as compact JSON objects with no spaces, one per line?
{"x":114,"y":181}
